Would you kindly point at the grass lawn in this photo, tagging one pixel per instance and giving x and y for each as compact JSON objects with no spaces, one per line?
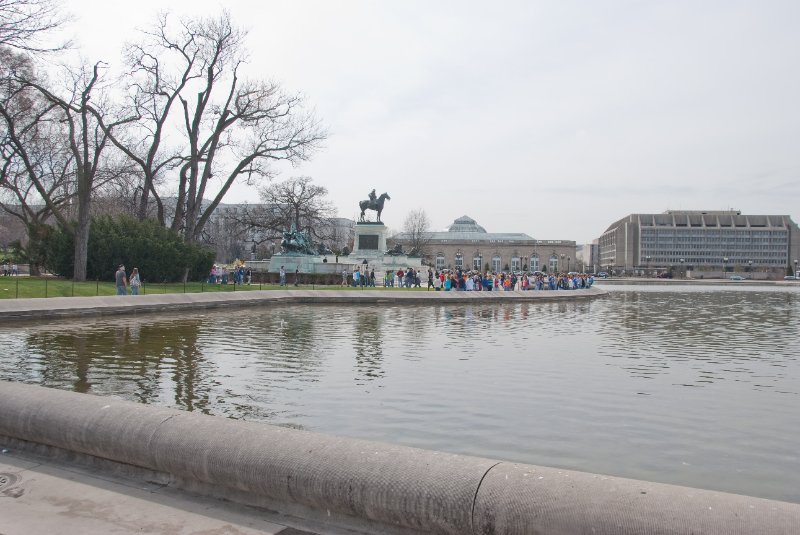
{"x":27,"y":287}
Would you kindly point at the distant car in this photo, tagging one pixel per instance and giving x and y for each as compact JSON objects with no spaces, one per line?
{"x":790,"y":278}
{"x":737,"y":278}
{"x":603,"y":275}
{"x":665,"y":275}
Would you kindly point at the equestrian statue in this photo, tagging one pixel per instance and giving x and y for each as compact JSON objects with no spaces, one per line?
{"x":373,"y":203}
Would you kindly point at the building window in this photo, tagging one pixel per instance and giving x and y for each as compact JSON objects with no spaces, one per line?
{"x":515,"y":266}
{"x":476,"y":263}
{"x":495,"y":263}
{"x":459,"y":261}
{"x":534,"y":262}
{"x":439,"y":261}
{"x":553,"y":264}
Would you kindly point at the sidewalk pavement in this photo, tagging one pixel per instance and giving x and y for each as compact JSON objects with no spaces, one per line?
{"x":40,"y":496}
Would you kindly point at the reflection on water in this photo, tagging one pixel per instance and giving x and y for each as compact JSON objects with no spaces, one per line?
{"x":132,"y":359}
{"x":689,"y":385}
{"x":717,"y":335}
{"x":368,"y":345}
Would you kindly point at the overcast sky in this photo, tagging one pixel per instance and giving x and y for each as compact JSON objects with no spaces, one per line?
{"x":549,"y":118}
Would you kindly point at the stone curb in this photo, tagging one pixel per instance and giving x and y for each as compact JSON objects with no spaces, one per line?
{"x":63,"y":307}
{"x":396,"y":486}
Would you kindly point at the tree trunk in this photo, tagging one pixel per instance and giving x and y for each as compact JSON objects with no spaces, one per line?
{"x":82,"y":231}
{"x":141,"y":213}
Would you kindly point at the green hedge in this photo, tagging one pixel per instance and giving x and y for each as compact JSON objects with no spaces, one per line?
{"x":159,"y":254}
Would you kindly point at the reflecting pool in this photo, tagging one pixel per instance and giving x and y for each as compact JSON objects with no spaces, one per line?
{"x":693,"y":385}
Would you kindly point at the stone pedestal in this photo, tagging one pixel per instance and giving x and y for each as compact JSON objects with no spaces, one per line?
{"x":370,"y":239}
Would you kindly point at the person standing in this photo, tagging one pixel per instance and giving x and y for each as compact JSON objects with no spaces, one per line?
{"x":344,"y":277}
{"x":135,"y":281}
{"x":121,"y":280}
{"x":297,"y":276}
{"x":282,"y":275}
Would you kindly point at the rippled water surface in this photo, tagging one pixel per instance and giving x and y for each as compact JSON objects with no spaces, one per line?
{"x":697,"y":386}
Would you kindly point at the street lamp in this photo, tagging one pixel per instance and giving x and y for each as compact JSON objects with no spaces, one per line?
{"x":683,"y":273}
{"x":796,"y":274}
{"x":568,"y":261}
{"x":646,"y":263}
{"x":561,"y":266}
{"x":749,"y":266}
{"x":724,"y":266}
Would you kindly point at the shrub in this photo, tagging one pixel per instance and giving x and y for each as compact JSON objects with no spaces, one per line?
{"x":159,"y":254}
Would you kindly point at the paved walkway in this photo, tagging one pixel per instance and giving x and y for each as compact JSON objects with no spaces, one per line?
{"x":42,"y":496}
{"x":57,"y":307}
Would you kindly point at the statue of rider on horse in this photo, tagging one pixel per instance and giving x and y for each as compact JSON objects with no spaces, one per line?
{"x":373,"y":203}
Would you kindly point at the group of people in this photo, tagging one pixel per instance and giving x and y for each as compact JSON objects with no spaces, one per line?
{"x":10,"y":269}
{"x":447,"y":280}
{"x":409,"y":278}
{"x":238,"y":275}
{"x":364,"y":279}
{"x":123,"y":282}
{"x":502,"y":281}
{"x":469,"y":281}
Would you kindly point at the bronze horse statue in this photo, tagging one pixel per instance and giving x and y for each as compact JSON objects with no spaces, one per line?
{"x":376,"y":205}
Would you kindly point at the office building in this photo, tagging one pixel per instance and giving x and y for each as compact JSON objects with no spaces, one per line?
{"x":724,"y":241}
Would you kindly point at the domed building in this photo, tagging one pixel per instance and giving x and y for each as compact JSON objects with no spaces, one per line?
{"x":467,"y":245}
{"x":467,"y":224}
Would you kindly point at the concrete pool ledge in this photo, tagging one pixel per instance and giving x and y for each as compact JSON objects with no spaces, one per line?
{"x":379,"y":488}
{"x":60,"y":307}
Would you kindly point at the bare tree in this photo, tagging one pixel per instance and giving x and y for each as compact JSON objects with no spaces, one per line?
{"x":24,"y":24}
{"x":295,"y":201}
{"x":232,"y":127}
{"x":416,"y":228}
{"x":160,"y":66}
{"x":228,"y":234}
{"x":36,"y":166}
{"x":85,"y":142}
